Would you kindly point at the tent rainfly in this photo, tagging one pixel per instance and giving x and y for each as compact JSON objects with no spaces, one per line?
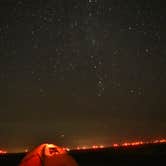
{"x":48,"y":155}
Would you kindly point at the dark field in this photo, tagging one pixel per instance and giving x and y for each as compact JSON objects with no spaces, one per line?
{"x":141,"y":155}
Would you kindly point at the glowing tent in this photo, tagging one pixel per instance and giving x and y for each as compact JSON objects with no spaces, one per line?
{"x":48,"y":155}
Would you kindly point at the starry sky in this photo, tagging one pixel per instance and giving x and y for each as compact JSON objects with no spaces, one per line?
{"x":81,"y":71}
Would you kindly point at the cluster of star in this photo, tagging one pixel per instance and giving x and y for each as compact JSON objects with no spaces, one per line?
{"x":59,"y":44}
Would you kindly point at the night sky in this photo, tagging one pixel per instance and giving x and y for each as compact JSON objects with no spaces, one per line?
{"x":77,"y":72}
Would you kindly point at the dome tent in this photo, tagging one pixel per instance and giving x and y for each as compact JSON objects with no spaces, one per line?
{"x":48,"y":155}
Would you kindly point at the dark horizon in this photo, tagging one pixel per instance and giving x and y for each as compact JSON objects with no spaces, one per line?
{"x":81,"y":72}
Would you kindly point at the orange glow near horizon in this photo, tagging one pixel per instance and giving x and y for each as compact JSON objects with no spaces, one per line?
{"x":133,"y":143}
{"x":3,"y":152}
{"x":96,"y":147}
{"x":115,"y":145}
{"x":160,"y":141}
{"x":137,"y":143}
{"x":101,"y":146}
{"x":125,"y":144}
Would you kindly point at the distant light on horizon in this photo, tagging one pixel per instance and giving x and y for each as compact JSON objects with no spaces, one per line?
{"x":125,"y":144}
{"x":93,"y":147}
{"x":115,"y":145}
{"x":3,"y":152}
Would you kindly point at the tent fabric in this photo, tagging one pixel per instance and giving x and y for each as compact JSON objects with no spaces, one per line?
{"x":48,"y":155}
